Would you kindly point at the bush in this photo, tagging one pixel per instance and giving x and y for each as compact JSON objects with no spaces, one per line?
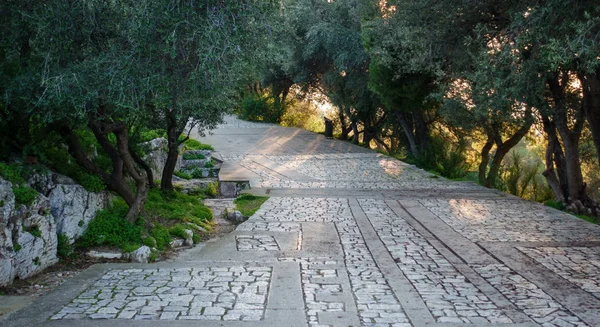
{"x":178,"y":231}
{"x":11,"y":173}
{"x":443,"y":157}
{"x":110,"y":228}
{"x":64,"y":249}
{"x":209,"y":164}
{"x":191,"y":144}
{"x":260,"y":109}
{"x":24,"y":194}
{"x":193,"y":156}
{"x":183,"y":175}
{"x":151,"y":134}
{"x":304,"y":115}
{"x":161,"y":235}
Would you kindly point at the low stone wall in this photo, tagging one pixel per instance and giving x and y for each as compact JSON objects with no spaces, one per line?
{"x":28,"y":234}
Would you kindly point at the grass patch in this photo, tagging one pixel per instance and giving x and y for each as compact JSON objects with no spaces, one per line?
{"x":247,"y":204}
{"x":110,"y":228}
{"x":191,"y":144}
{"x":34,"y":230}
{"x":64,"y":249}
{"x":210,"y":164}
{"x":24,"y":194}
{"x":11,"y":173}
{"x":166,"y":214}
{"x":193,"y":156}
{"x":183,"y":175}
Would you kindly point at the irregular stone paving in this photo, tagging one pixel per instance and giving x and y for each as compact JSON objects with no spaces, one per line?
{"x":534,"y":302}
{"x":376,"y":303}
{"x":377,"y":269}
{"x":232,"y":293}
{"x":578,"y":265}
{"x":510,"y":221}
{"x":256,"y":243}
{"x":446,"y":292}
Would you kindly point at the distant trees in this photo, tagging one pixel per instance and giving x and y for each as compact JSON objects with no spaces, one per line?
{"x":406,"y":74}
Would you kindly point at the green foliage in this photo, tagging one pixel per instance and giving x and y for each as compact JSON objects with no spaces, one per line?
{"x":442,"y":157}
{"x":151,"y":134}
{"x":24,"y":194}
{"x":162,"y":237}
{"x":209,"y":164}
{"x":303,"y":115}
{"x":260,"y":109}
{"x":149,"y":241}
{"x":177,"y":206}
{"x":34,"y":230}
{"x":110,"y":228}
{"x":247,"y":204}
{"x":183,"y":174}
{"x":520,"y":175}
{"x":555,"y":204}
{"x":36,"y":261}
{"x":178,"y":231}
{"x":193,"y":156}
{"x":196,"y":239}
{"x":191,"y":144}
{"x":17,"y":247}
{"x":64,"y":249}
{"x":12,"y":173}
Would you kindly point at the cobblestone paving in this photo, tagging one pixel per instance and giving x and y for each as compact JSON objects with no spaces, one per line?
{"x":348,"y":276}
{"x":376,"y":303}
{"x":578,"y":265}
{"x":231,"y":293}
{"x":528,"y":297}
{"x":446,"y":292}
{"x":510,"y":221}
{"x":256,"y":243}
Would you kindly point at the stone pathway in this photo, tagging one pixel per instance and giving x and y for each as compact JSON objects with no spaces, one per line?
{"x":350,"y":237}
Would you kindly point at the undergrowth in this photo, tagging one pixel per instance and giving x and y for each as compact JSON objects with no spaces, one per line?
{"x":248,"y":204}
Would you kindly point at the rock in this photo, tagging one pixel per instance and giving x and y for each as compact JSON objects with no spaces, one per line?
{"x":189,"y":239}
{"x":71,"y":205}
{"x":105,"y":255}
{"x":157,"y":156}
{"x":176,"y":243}
{"x":28,"y":238}
{"x":234,"y":215}
{"x":141,"y":255}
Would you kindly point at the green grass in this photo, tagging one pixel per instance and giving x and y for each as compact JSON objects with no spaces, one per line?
{"x":11,"y":173}
{"x":24,"y":194}
{"x":182,"y":174}
{"x":177,"y":207}
{"x":193,"y":156}
{"x":247,"y":204}
{"x":110,"y":228}
{"x":192,"y":144}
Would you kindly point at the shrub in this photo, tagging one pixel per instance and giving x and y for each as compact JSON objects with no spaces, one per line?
{"x":193,"y":156}
{"x":191,"y":144}
{"x":182,"y":174}
{"x":11,"y":173}
{"x":161,"y":235}
{"x":177,"y":206}
{"x":260,"y":108}
{"x":110,"y":228}
{"x":64,"y":249}
{"x":151,"y":134}
{"x":209,"y":164}
{"x":34,"y":230}
{"x":24,"y":194}
{"x":178,"y":231}
{"x":442,"y":157}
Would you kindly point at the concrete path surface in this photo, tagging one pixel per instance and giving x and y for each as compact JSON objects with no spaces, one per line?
{"x":350,"y":237}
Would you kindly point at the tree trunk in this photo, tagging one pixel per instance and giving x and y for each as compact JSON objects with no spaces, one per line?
{"x":408,"y":132}
{"x":485,"y":159}
{"x":345,"y":130}
{"x":141,"y":181}
{"x":354,"y":132}
{"x":570,"y":138}
{"x":555,"y":172}
{"x":145,"y":166}
{"x":591,"y":105}
{"x":173,"y":132}
{"x":421,"y":130}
